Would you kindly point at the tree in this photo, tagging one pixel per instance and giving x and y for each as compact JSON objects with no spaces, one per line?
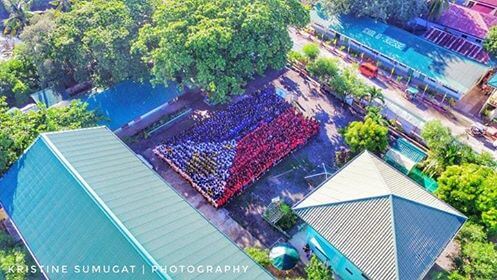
{"x":373,"y":93}
{"x":316,"y":270}
{"x":91,"y":42}
{"x":446,"y":150}
{"x":62,"y":5}
{"x":19,"y":14}
{"x":13,"y":254}
{"x":471,"y":232}
{"x":311,"y":50}
{"x":18,"y":78}
{"x":297,"y":57}
{"x":324,"y":69}
{"x":367,"y":135}
{"x":18,"y":130}
{"x":374,"y":113}
{"x":260,"y":256}
{"x":384,"y":10}
{"x":479,"y":260}
{"x":470,"y":188}
{"x":436,"y":8}
{"x":490,"y":42}
{"x":218,"y":45}
{"x":288,"y":219}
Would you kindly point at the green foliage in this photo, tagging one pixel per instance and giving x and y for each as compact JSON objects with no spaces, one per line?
{"x":490,"y":42}
{"x":62,"y":5}
{"x":297,"y":57}
{"x":391,"y":10}
{"x":366,"y":135}
{"x":316,"y":270}
{"x":446,"y":150}
{"x":260,"y":256}
{"x":471,"y":189}
{"x":324,"y":69}
{"x":18,"y":79}
{"x":374,"y":94}
{"x":436,"y":8}
{"x":348,"y":83}
{"x":18,"y":130}
{"x":91,"y":42}
{"x":479,"y":260}
{"x":289,"y":218}
{"x":374,"y":113}
{"x":19,"y":15}
{"x":311,"y":50}
{"x":218,"y":45}
{"x":13,"y":254}
{"x":471,"y":232}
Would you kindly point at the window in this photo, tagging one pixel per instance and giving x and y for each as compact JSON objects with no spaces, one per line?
{"x":348,"y":270}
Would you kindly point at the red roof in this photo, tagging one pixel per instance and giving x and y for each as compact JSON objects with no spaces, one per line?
{"x":482,"y":8}
{"x":468,"y":21}
{"x":488,"y":2}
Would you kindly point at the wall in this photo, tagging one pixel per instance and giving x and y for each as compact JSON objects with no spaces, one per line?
{"x":340,"y":265}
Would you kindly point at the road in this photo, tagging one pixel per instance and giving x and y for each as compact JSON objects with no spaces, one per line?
{"x":419,"y":113}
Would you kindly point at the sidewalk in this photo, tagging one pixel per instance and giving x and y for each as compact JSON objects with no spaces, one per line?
{"x":458,"y":123}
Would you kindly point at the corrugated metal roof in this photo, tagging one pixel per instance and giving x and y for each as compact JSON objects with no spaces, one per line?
{"x":155,"y":219}
{"x":445,"y":66}
{"x":383,"y":222}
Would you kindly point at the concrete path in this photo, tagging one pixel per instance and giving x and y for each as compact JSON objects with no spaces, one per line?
{"x":458,"y":123}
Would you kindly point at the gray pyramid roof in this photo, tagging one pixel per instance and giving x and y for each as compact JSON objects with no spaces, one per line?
{"x":382,"y":221}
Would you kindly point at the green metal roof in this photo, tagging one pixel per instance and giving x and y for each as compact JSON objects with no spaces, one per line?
{"x":446,"y":67}
{"x":404,"y":155}
{"x":379,"y":219}
{"x":82,"y":196}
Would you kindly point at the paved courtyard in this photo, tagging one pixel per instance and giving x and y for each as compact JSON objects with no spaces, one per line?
{"x":241,"y":219}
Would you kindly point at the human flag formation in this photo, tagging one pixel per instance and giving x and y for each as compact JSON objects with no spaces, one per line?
{"x":226,"y":151}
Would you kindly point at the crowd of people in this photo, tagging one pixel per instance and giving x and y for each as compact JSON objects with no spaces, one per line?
{"x":221,"y":155}
{"x":237,"y":119}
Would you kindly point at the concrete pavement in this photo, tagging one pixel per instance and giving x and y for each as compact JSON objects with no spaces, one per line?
{"x":420,"y":112}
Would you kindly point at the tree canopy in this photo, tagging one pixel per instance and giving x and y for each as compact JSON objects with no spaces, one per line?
{"x":218,"y":45}
{"x":478,"y":258}
{"x":324,"y":69}
{"x":368,"y":135}
{"x":391,"y":10}
{"x":18,"y":78}
{"x":90,"y":42}
{"x":490,"y":42}
{"x":18,"y":130}
{"x":447,"y":150}
{"x":471,"y":189}
{"x":316,"y":270}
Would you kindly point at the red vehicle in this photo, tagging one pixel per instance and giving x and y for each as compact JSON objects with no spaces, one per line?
{"x":369,"y":70}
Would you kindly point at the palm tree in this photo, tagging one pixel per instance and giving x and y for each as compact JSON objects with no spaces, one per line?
{"x":436,"y":8}
{"x":62,"y":5}
{"x":19,"y":14}
{"x":374,"y":93}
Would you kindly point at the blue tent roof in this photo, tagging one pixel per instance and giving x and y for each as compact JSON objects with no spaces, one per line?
{"x":83,"y":198}
{"x":493,"y":81}
{"x":126,"y":101}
